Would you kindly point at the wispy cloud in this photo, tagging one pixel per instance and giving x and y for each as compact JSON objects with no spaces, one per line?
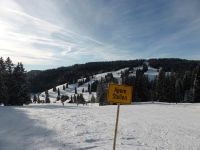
{"x":67,"y":32}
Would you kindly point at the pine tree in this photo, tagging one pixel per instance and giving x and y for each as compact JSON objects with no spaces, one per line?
{"x":9,"y":66}
{"x":153,"y":89}
{"x":54,"y":88}
{"x":3,"y":91}
{"x":82,"y":99}
{"x":178,"y":89}
{"x":89,"y":90}
{"x":3,"y":88}
{"x":145,"y":88}
{"x":46,"y":92}
{"x":75,"y":90}
{"x":193,"y":78}
{"x":102,"y":93}
{"x":171,"y":88}
{"x":71,"y":100}
{"x":47,"y":99}
{"x":14,"y":83}
{"x":62,"y":98}
{"x":75,"y":98}
{"x":142,"y":91}
{"x":2,"y":66}
{"x":135,"y":97}
{"x":160,"y":85}
{"x":87,"y":78}
{"x":186,"y":81}
{"x":92,"y":99}
{"x":34,"y":99}
{"x":63,"y":87}
{"x":38,"y":97}
{"x":78,"y":99}
{"x":145,"y":67}
{"x":186,"y":97}
{"x":66,"y":85}
{"x":197,"y":85}
{"x":165,"y":89}
{"x":191,"y":96}
{"x":38,"y":100}
{"x":58,"y":92}
{"x":58,"y":98}
{"x":20,"y":89}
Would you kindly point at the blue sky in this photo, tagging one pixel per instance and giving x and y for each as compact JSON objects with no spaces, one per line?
{"x":46,"y":34}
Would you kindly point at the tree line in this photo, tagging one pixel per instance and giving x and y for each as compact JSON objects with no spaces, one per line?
{"x":14,"y":88}
{"x":172,"y":87}
{"x":50,"y":78}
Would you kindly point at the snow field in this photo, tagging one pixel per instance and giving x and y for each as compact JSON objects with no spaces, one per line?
{"x":142,"y":126}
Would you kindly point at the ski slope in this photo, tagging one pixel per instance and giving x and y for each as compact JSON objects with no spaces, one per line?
{"x":142,"y":126}
{"x":70,"y":91}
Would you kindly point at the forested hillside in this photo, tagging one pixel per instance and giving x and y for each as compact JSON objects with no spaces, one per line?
{"x":49,"y":78}
{"x":177,"y":80}
{"x":52,"y":77}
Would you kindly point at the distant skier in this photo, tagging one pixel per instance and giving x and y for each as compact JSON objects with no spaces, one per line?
{"x":63,"y":103}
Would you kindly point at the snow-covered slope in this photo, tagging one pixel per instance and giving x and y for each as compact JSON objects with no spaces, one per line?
{"x":142,"y":126}
{"x":151,"y":73}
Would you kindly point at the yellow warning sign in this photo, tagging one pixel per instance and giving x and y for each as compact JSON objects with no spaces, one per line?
{"x":120,"y":94}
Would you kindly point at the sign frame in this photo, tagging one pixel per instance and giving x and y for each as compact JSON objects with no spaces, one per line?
{"x":119,"y":94}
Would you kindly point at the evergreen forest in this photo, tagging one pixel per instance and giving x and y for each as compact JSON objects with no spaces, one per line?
{"x":178,"y":80}
{"x":14,"y":87}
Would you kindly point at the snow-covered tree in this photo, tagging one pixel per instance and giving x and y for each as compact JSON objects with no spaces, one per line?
{"x":102,"y":90}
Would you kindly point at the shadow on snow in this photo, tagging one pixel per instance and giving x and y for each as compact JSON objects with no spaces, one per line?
{"x":19,"y":131}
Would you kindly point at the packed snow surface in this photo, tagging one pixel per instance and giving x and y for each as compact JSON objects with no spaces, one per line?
{"x":142,"y":126}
